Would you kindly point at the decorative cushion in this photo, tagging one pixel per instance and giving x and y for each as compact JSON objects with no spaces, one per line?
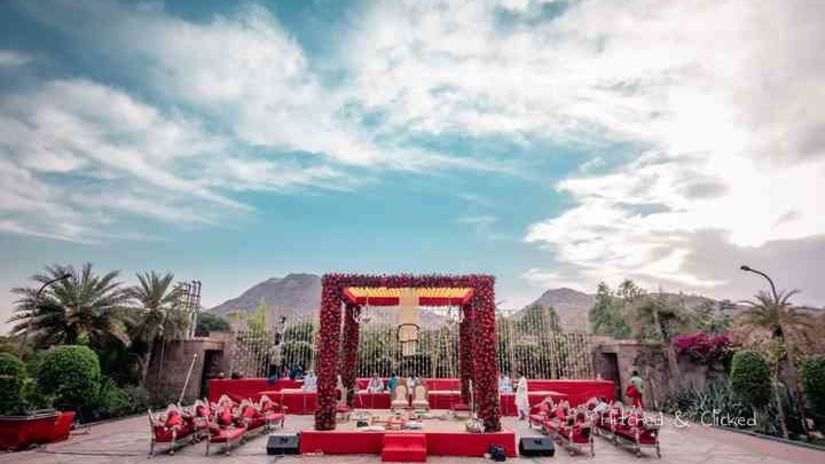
{"x":222,"y":435}
{"x":224,"y":417}
{"x":250,"y":412}
{"x":544,"y":408}
{"x":173,"y":419}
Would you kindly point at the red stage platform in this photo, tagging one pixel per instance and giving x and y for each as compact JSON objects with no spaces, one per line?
{"x":239,"y":389}
{"x":443,"y":393}
{"x":439,"y":443}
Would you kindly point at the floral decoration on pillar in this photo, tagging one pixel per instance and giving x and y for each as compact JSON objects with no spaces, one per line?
{"x":349,"y":356}
{"x":485,"y":370}
{"x":327,"y":349}
{"x":465,"y":353}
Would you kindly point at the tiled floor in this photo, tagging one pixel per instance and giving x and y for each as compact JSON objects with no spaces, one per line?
{"x":126,"y":441}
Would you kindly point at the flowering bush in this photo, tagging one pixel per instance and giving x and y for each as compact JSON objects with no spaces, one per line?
{"x":704,"y":348}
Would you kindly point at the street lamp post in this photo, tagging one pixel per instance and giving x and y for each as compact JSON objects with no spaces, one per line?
{"x":36,"y":306}
{"x":747,"y":268}
{"x":792,"y":366}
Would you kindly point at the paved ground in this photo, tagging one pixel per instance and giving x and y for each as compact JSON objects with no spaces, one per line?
{"x":126,"y":441}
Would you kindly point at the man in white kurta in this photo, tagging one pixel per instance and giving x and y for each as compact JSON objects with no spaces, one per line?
{"x":522,"y":400}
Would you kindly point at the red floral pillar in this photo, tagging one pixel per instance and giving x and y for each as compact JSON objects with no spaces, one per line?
{"x":327,"y":349}
{"x":349,"y":357}
{"x":485,"y":372}
{"x":465,"y":352}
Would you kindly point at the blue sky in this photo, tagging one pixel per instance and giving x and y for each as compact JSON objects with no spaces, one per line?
{"x":550,"y":143}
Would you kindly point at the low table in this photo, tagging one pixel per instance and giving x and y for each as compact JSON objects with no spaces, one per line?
{"x":298,"y":401}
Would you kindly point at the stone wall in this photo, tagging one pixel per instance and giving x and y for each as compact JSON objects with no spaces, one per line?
{"x":617,"y":359}
{"x":171,"y":364}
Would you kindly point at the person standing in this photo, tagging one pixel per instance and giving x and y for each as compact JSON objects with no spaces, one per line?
{"x":636,"y":389}
{"x":522,"y":399}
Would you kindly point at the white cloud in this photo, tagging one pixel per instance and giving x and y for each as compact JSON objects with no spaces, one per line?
{"x":76,"y":155}
{"x":722,"y":99}
{"x":246,"y":72}
{"x":229,"y":104}
{"x":725,"y":97}
{"x":13,"y":58}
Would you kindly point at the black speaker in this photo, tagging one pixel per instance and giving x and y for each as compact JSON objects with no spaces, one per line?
{"x":283,"y":443}
{"x":536,"y":446}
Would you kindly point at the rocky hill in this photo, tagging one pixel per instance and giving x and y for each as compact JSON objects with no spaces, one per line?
{"x":293,"y":295}
{"x":571,"y":306}
{"x":298,"y":296}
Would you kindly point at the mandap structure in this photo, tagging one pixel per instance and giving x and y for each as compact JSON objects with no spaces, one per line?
{"x":347,"y":293}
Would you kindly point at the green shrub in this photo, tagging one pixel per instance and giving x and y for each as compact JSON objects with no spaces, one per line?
{"x":751,"y":377}
{"x":139,"y":399}
{"x":72,"y":375}
{"x":33,"y":398}
{"x":12,"y":377}
{"x":812,"y":373}
{"x":108,"y":401}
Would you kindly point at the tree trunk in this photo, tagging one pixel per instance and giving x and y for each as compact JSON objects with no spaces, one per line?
{"x":147,"y":360}
{"x":800,"y":403}
{"x":780,"y":409}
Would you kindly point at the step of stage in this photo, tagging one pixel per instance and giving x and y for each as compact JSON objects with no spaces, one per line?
{"x":404,"y":447}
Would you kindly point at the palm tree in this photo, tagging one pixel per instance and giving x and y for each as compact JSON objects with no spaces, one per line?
{"x":84,"y":306}
{"x":158,"y":315}
{"x":773,"y":312}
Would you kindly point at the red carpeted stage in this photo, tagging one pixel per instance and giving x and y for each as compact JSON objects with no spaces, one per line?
{"x":442,"y":442}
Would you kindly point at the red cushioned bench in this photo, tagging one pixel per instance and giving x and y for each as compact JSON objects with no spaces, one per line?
{"x":404,"y":447}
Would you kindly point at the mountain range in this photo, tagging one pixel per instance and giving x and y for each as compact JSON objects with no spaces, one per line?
{"x":299,"y":296}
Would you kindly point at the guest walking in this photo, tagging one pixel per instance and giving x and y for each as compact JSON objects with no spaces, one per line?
{"x":636,"y":389}
{"x":522,"y":400}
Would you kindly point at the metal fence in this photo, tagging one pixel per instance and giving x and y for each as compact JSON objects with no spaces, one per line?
{"x":529,"y":343}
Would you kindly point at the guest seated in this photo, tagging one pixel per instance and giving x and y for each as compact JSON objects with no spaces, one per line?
{"x":168,"y":428}
{"x":601,"y":406}
{"x":376,"y":384}
{"x":505,"y":385}
{"x":392,"y":382}
{"x":310,"y":382}
{"x":297,"y":372}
